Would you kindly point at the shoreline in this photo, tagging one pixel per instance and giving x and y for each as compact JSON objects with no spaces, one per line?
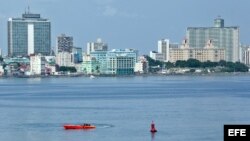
{"x":135,"y":75}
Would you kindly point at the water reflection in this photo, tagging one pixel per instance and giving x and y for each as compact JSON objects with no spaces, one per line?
{"x":153,"y":136}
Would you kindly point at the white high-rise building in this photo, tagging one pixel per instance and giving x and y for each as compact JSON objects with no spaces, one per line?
{"x":163,"y":47}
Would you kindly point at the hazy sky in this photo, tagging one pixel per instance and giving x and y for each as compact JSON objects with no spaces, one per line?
{"x":128,"y":23}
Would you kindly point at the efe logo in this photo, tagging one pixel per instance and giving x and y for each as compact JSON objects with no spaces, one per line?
{"x":236,"y":132}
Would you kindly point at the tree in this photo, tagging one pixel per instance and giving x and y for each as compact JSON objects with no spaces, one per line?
{"x":181,"y":64}
{"x":193,"y":63}
{"x":169,"y":65}
{"x":66,"y":69}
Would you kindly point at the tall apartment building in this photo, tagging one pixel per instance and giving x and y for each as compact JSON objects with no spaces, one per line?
{"x":64,"y":43}
{"x":99,"y":45}
{"x":30,"y":34}
{"x":223,"y":37}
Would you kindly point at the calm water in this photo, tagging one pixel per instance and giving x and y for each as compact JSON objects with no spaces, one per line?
{"x":192,"y":108}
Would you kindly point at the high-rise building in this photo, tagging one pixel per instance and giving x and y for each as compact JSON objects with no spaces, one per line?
{"x":30,"y":34}
{"x":64,"y":43}
{"x":99,"y":45}
{"x":163,"y":47}
{"x":1,"y":52}
{"x":223,"y":37}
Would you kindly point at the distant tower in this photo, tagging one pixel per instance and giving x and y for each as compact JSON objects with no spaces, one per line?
{"x":30,"y":34}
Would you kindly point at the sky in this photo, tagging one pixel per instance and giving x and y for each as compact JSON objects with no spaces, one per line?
{"x":137,"y":24}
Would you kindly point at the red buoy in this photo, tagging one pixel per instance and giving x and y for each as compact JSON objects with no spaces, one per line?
{"x":153,"y":129}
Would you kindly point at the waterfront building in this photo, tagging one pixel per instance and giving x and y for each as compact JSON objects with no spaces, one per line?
{"x":20,"y":60}
{"x":101,"y":57}
{"x":163,"y":48}
{"x":223,"y":37}
{"x":156,"y":56}
{"x":99,"y":45}
{"x":30,"y":34}
{"x":64,"y":59}
{"x":142,"y":66}
{"x":90,"y":66}
{"x":64,"y":43}
{"x":121,"y":62}
{"x":37,"y":64}
{"x":207,"y":53}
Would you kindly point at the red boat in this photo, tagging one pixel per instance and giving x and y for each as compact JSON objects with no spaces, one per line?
{"x":75,"y":127}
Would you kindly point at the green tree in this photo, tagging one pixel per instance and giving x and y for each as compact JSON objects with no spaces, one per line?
{"x":193,"y":63}
{"x":181,"y":64}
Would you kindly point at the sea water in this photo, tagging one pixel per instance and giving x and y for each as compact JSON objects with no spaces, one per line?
{"x":193,"y":108}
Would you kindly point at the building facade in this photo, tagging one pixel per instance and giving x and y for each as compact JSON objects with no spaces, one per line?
{"x":77,"y":55}
{"x":208,"y":53}
{"x":30,"y":34}
{"x":247,"y":57}
{"x":156,"y":56}
{"x":37,"y":65}
{"x":163,"y":48}
{"x":142,"y":66}
{"x":223,"y":37}
{"x":64,"y":43}
{"x":64,"y":59}
{"x":99,"y":45}
{"x":121,"y":62}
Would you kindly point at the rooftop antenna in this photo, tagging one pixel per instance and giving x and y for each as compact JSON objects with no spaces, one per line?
{"x":28,"y":12}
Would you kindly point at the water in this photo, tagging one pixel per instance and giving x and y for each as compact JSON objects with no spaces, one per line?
{"x":191,"y":108}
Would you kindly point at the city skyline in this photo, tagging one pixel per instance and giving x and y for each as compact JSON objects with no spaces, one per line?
{"x":127,"y":24}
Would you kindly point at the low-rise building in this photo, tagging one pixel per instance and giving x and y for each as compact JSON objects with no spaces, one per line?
{"x":142,"y":66}
{"x":156,"y":55}
{"x":90,"y":66}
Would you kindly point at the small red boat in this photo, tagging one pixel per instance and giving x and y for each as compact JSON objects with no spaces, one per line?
{"x":75,"y":127}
